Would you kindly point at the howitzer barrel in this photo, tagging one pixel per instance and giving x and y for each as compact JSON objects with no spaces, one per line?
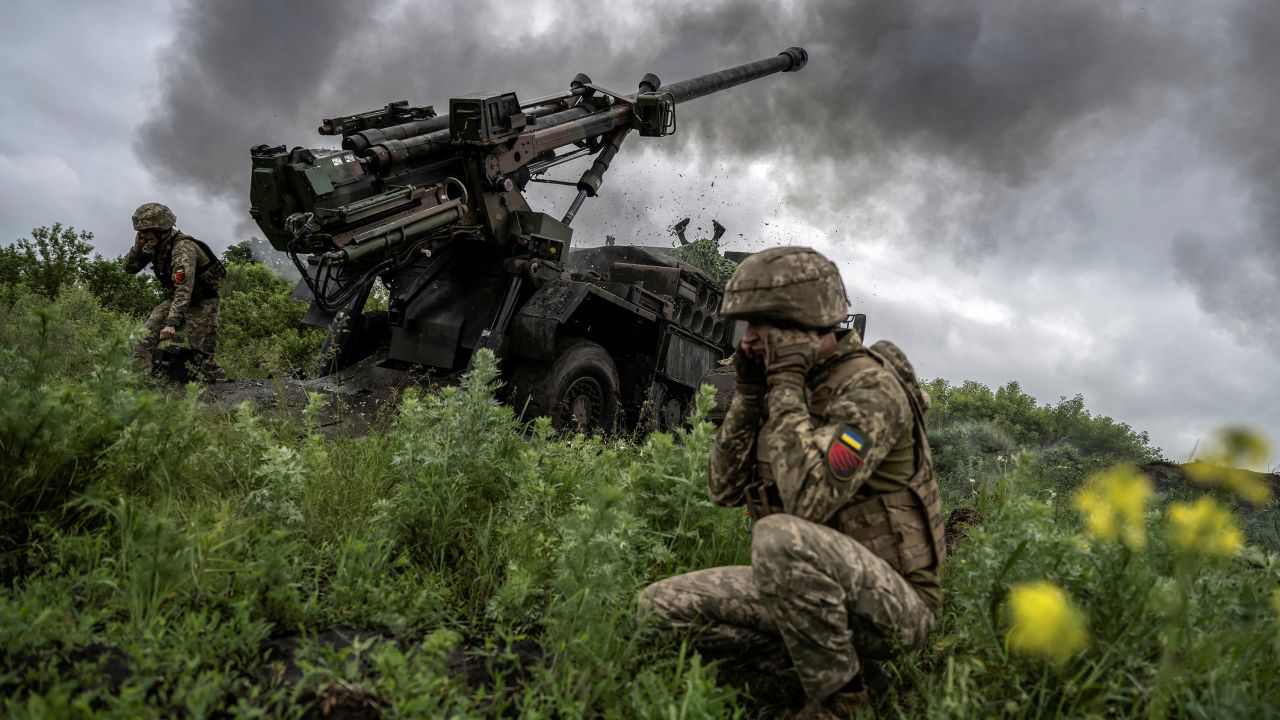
{"x":362,"y":141}
{"x":789,"y":60}
{"x":551,"y":127}
{"x":393,"y":152}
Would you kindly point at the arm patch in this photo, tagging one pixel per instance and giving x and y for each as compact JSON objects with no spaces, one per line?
{"x":845,"y":454}
{"x":179,"y":273}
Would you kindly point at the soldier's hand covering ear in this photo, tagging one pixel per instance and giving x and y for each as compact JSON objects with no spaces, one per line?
{"x":789,"y":355}
{"x":750,"y":371}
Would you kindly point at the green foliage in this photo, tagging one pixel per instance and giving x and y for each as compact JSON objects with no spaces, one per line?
{"x":1134,"y":603}
{"x":1016,"y":413}
{"x":119,"y":291}
{"x":256,"y":251}
{"x":61,"y":430}
{"x":705,"y":255}
{"x":160,"y":554}
{"x":53,"y":257}
{"x":977,"y":435}
{"x":57,"y":257}
{"x":207,"y":541}
{"x":238,"y":254}
{"x":260,"y":328}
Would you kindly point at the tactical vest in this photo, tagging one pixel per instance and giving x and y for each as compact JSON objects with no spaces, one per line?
{"x":904,"y":527}
{"x":209,"y":269}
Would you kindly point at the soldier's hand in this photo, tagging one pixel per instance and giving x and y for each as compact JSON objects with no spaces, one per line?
{"x":750,"y":370}
{"x":789,"y":355}
{"x":168,"y":332}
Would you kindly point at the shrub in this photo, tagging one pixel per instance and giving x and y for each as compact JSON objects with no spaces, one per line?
{"x":260,"y":330}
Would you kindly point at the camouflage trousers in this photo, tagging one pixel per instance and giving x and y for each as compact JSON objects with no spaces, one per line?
{"x":201,"y":325}
{"x":810,"y":591}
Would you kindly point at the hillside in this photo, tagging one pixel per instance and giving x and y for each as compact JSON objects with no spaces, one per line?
{"x":162,"y":555}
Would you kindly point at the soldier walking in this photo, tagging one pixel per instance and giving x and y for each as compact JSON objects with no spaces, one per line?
{"x":824,"y":442}
{"x":190,"y":273}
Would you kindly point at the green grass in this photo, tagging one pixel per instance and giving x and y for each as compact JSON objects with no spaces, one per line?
{"x":158,"y":553}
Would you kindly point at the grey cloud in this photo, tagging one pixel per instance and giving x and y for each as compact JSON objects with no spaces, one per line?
{"x":238,"y":70}
{"x":972,"y":104}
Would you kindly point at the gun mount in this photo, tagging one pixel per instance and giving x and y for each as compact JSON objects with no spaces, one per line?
{"x":433,"y":207}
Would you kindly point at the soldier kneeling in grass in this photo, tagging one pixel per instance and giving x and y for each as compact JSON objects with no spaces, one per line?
{"x":190,"y":274}
{"x":824,"y":442}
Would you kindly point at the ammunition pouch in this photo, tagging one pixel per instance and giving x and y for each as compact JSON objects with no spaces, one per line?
{"x":894,"y":526}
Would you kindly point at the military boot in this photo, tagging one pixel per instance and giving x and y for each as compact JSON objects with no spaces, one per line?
{"x":850,"y":701}
{"x":841,"y":706}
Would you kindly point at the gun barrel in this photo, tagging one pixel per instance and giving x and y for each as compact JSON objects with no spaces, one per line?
{"x":363,"y":140}
{"x":555,"y":124}
{"x":789,"y":60}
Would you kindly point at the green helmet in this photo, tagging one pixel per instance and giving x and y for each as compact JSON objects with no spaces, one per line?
{"x":153,"y":216}
{"x":792,"y":285}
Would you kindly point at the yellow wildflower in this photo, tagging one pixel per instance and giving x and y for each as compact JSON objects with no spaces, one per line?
{"x":1204,"y":527}
{"x":1233,"y":449}
{"x":1044,"y":622}
{"x":1113,"y":504}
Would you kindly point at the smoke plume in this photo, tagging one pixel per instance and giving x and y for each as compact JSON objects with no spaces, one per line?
{"x":977,"y":106}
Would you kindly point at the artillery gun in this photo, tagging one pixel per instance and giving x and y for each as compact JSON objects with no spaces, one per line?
{"x":433,"y":207}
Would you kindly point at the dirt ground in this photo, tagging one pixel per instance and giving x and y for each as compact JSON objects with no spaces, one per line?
{"x":358,"y":399}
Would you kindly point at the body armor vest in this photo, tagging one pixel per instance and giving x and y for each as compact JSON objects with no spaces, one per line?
{"x":209,"y":269}
{"x":903,"y":527}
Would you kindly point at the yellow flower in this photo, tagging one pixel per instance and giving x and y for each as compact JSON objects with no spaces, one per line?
{"x":1113,"y":504}
{"x":1232,"y":450}
{"x":1204,"y":527}
{"x":1044,"y":622}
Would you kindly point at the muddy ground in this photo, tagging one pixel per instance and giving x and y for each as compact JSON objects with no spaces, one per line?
{"x":358,"y":399}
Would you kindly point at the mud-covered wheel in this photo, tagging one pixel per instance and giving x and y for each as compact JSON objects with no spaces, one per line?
{"x":346,"y":345}
{"x":578,"y":390}
{"x":666,"y":409}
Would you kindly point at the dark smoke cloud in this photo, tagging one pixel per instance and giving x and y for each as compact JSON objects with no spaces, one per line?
{"x":1236,"y":274}
{"x":237,"y":72}
{"x":969,"y":101}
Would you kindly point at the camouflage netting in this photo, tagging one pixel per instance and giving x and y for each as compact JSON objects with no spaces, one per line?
{"x":705,"y":255}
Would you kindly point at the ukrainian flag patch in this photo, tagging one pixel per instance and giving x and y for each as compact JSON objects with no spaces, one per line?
{"x":844,"y":457}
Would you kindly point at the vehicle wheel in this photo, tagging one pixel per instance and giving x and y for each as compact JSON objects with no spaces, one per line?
{"x":345,"y":346}
{"x":578,"y":390}
{"x":666,"y":409}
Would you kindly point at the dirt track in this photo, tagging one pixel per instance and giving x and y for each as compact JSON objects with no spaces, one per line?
{"x":359,"y":398}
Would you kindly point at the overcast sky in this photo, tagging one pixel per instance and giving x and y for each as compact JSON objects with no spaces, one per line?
{"x":1081,"y":196}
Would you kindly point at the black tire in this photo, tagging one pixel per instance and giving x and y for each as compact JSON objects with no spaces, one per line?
{"x":578,"y":390}
{"x":665,"y":409}
{"x":342,"y":349}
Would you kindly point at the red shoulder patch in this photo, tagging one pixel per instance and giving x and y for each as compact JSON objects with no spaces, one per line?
{"x":179,"y":273}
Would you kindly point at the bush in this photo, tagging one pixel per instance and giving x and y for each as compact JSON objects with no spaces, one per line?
{"x":67,"y":416}
{"x":160,"y":554}
{"x":57,"y":257}
{"x":260,"y":330}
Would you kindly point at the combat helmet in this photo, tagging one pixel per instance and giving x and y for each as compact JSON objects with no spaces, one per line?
{"x":791,"y":285}
{"x":153,"y":216}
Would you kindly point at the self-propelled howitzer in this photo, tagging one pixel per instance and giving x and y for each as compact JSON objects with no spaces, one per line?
{"x":433,"y":206}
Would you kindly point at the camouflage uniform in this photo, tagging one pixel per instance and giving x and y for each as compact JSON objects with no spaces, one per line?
{"x":832,"y":461}
{"x":191,"y":275}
